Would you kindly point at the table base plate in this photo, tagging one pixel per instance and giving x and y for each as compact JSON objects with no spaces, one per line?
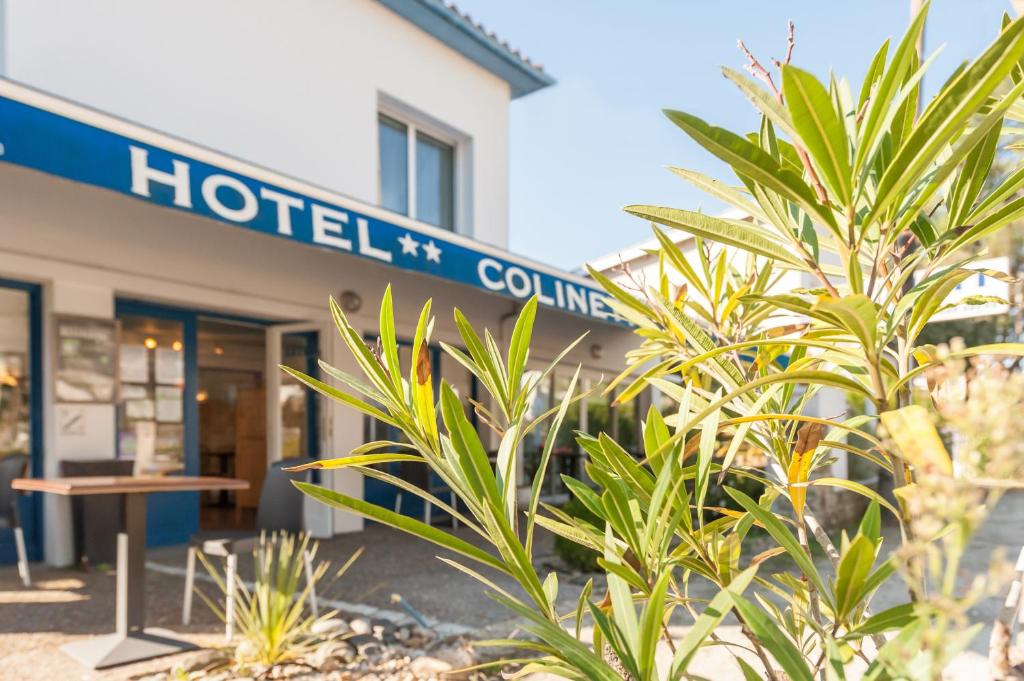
{"x":111,"y":650}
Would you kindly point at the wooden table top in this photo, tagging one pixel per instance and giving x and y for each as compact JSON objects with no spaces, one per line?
{"x":126,"y":484}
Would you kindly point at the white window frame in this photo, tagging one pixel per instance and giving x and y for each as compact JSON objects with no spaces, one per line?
{"x":462,"y":160}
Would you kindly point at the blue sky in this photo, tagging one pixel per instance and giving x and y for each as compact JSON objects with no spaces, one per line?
{"x":597,"y":140}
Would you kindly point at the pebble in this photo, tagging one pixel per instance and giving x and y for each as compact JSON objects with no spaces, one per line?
{"x":427,"y":666}
{"x":334,"y":626}
{"x":360,"y":626}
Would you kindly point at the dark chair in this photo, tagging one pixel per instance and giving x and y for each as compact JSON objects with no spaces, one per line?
{"x":280,"y":510}
{"x":419,"y":474}
{"x":14,"y":466}
{"x":96,"y":519}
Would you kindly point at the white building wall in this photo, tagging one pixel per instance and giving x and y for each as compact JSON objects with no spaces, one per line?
{"x":89,"y":246}
{"x":293,"y":86}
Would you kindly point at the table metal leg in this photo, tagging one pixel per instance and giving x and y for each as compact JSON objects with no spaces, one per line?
{"x":130,"y":642}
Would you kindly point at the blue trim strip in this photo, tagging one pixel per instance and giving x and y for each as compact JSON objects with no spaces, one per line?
{"x":64,"y":146}
{"x":31,"y":507}
{"x":457,"y":32}
{"x":141,"y":304}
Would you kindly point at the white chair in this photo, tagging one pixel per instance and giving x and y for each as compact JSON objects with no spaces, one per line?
{"x":279,"y":510}
{"x":14,"y":466}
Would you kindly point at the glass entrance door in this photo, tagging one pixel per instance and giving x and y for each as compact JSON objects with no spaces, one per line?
{"x":21,"y":404}
{"x":295,"y":420}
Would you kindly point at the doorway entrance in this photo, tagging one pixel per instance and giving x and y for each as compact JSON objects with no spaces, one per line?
{"x":232,"y":422}
{"x":236,"y":411}
{"x":21,"y":403}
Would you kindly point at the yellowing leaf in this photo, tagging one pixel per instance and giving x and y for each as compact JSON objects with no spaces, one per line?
{"x":912,"y":430}
{"x":799,"y":470}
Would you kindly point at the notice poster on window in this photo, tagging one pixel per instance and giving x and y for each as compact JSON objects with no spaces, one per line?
{"x":86,"y":362}
{"x":133,"y":392}
{"x":170,"y":367}
{"x":134,"y":364}
{"x":136,"y":410}
{"x":169,"y":456}
{"x":168,"y":404}
{"x":145,"y":448}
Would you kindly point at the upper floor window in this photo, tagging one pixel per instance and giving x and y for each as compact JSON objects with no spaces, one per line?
{"x":417,"y":173}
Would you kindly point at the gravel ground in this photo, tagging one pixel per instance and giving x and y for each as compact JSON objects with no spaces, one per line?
{"x":67,"y":605}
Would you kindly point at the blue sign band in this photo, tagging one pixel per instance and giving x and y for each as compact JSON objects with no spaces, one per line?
{"x":52,"y":143}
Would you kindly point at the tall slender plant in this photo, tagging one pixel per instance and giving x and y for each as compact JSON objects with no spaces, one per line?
{"x":873,"y":200}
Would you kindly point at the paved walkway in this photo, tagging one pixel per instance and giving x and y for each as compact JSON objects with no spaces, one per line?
{"x":68,"y":605}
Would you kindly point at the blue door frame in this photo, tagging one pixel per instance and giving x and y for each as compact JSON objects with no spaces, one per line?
{"x":174,"y":517}
{"x":311,"y":368}
{"x":30,"y":507}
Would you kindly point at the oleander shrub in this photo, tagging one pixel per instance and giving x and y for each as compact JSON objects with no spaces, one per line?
{"x":876,"y":200}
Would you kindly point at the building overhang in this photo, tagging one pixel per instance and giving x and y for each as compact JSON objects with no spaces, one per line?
{"x":457,"y":31}
{"x":57,"y":137}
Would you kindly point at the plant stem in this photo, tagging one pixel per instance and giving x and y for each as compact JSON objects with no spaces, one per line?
{"x":812,"y":592}
{"x":761,"y":654}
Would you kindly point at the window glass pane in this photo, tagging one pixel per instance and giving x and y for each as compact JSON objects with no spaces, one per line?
{"x":15,"y":408}
{"x":597,"y":414}
{"x":435,"y":199}
{"x":394,"y":165}
{"x":150,"y":413}
{"x":298,"y":404}
{"x":533,"y":443}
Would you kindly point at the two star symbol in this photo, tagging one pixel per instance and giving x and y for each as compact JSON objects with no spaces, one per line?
{"x":410,"y":246}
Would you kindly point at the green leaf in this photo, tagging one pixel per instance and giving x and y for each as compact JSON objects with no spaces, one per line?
{"x":749,"y":161}
{"x":749,"y":673}
{"x":350,"y":461}
{"x":571,"y":650}
{"x":401,"y":522}
{"x":943,"y":121}
{"x":971,"y":179}
{"x":820,"y":129}
{"x":470,"y":452}
{"x":763,"y":101}
{"x":709,"y":620}
{"x":783,"y":536}
{"x":854,"y":567}
{"x":519,"y":347}
{"x":622,"y":598}
{"x":836,"y":669}
{"x":388,"y":341}
{"x":774,"y":640}
{"x":854,"y":313}
{"x":894,"y":618}
{"x":488,"y":372}
{"x":542,"y":467}
{"x":338,"y":396}
{"x":900,"y":68}
{"x":875,"y":71}
{"x":742,"y":235}
{"x":705,"y":451}
{"x":871,"y":523}
{"x":1005,"y":190}
{"x":618,"y":293}
{"x":582,"y":603}
{"x":732,"y":195}
{"x":860,"y":489}
{"x":650,"y":626}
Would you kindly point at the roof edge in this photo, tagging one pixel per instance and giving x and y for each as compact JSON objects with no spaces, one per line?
{"x":468,"y":39}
